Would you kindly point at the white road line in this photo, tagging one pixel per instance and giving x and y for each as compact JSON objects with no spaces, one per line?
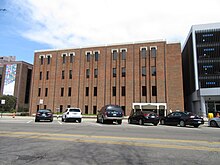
{"x":60,"y":122}
{"x":29,"y":121}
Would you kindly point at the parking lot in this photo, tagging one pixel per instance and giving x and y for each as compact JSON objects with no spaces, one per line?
{"x":24,"y":141}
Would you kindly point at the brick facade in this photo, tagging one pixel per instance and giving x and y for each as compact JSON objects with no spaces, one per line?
{"x":167,"y":79}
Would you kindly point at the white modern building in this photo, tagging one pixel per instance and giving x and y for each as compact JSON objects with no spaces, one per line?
{"x":201,"y":69}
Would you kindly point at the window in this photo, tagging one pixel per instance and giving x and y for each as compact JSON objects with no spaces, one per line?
{"x":39,"y":91}
{"x":40,"y":75}
{"x":153,"y":52}
{"x":69,"y":91}
{"x":88,"y":56}
{"x":123,"y":72}
{"x":38,"y":107}
{"x":61,"y":108}
{"x":87,"y":73}
{"x":71,"y":57}
{"x":123,"y":54}
{"x":95,"y":91}
{"x":70,"y":74}
{"x":64,"y":58}
{"x":114,"y":54}
{"x":113,"y":91}
{"x":143,"y":52}
{"x":123,"y":92}
{"x":48,"y":60}
{"x":95,"y":73}
{"x":68,"y":106}
{"x":86,"y":109}
{"x":63,"y":74}
{"x":144,"y":91}
{"x":154,"y":91}
{"x":153,"y":71}
{"x":96,"y":56}
{"x":114,"y":72}
{"x":143,"y":70}
{"x":87,"y":91}
{"x":47,"y":75}
{"x":45,"y":106}
{"x":62,"y":92}
{"x":94,"y":109}
{"x":42,"y":60}
{"x":46,"y":92}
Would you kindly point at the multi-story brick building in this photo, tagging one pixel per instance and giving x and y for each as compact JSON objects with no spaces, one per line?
{"x":15,"y":80}
{"x":123,"y":74}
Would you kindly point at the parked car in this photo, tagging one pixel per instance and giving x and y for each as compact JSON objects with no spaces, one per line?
{"x":141,"y":117}
{"x":110,"y":113}
{"x":44,"y":114}
{"x":72,"y":114}
{"x":182,"y":119}
{"x":214,"y":122}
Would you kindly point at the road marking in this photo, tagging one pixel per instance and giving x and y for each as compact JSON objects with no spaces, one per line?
{"x":60,"y":122}
{"x":29,"y":121}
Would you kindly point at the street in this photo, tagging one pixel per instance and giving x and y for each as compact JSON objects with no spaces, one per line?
{"x":22,"y":141}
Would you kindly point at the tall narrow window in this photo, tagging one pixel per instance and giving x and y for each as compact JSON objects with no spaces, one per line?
{"x":39,"y":92}
{"x":94,"y":109}
{"x":64,"y":58}
{"x":46,"y":92}
{"x":143,"y":70}
{"x":70,"y":74}
{"x":143,"y":52}
{"x":95,"y":73}
{"x":63,"y":74}
{"x":123,"y":71}
{"x":123,"y":92}
{"x":86,"y":109}
{"x":113,"y":91}
{"x":123,"y":54}
{"x":88,"y":56}
{"x":153,"y":52}
{"x":114,"y":72}
{"x":61,"y":108}
{"x":87,"y":73}
{"x":41,"y":60}
{"x":95,"y":91}
{"x":71,"y":57}
{"x":87,"y":91}
{"x":96,"y":56}
{"x":62,"y":92}
{"x":47,"y":75}
{"x":48,"y":60}
{"x":69,"y":91}
{"x":40,"y":75}
{"x":45,"y":106}
{"x":144,"y":91}
{"x":114,"y":54}
{"x":153,"y":71}
{"x":154,"y":91}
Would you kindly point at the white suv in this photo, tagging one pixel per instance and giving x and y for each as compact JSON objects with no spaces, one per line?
{"x":72,"y":114}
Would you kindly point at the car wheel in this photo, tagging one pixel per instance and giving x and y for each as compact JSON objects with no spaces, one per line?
{"x":162,"y":122}
{"x":80,"y":120}
{"x":196,"y":126}
{"x":213,"y":124}
{"x":102,"y":120}
{"x":62,"y":119}
{"x":97,"y":120}
{"x":36,"y":120}
{"x":141,"y":122}
{"x":129,"y":121}
{"x":182,"y":123}
{"x":119,"y":121}
{"x":155,"y":124}
{"x":51,"y":120}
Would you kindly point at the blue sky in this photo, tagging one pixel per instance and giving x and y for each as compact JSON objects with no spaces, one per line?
{"x":30,"y":25}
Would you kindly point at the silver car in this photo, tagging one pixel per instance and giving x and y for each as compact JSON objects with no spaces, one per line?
{"x":214,"y":122}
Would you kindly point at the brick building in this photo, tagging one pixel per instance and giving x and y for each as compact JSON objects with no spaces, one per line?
{"x":15,"y":80}
{"x":122,"y":74}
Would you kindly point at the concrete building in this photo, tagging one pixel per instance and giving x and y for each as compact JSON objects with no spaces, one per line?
{"x":148,"y":74}
{"x":7,"y":59}
{"x":201,"y":69}
{"x":15,"y":80}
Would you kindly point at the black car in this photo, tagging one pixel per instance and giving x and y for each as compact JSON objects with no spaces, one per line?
{"x":141,"y":117}
{"x":44,"y":114}
{"x":182,"y":119}
{"x":110,"y":113}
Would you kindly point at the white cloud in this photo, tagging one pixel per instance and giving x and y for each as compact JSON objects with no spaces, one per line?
{"x":75,"y":23}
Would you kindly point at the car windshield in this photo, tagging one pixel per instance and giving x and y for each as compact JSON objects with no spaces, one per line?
{"x":44,"y":110}
{"x":74,"y":110}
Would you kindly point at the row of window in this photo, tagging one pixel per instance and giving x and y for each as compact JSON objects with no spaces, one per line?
{"x":89,"y":54}
{"x":114,"y":73}
{"x":123,"y":91}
